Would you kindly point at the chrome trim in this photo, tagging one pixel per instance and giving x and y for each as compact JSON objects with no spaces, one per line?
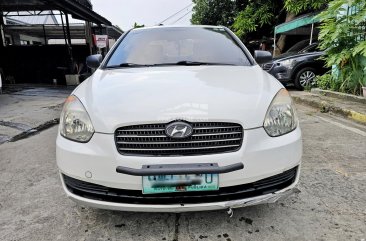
{"x":197,"y":128}
{"x":178,"y":142}
{"x":210,"y":134}
{"x":177,"y":149}
{"x":145,"y":130}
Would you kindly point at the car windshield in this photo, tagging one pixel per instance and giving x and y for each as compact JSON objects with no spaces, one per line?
{"x":298,"y":46}
{"x":177,"y":46}
{"x":310,"y":48}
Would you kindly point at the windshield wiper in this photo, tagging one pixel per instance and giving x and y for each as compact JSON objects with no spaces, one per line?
{"x":133,"y":65}
{"x":130,"y":65}
{"x":192,"y":63}
{"x":184,"y":62}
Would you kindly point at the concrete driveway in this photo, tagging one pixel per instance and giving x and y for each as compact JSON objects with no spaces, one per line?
{"x":25,"y":110}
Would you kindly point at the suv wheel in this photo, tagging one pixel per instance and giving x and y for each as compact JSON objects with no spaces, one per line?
{"x":305,"y":77}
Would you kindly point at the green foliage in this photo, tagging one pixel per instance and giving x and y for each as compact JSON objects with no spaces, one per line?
{"x":247,"y":16}
{"x":136,"y":25}
{"x":243,"y":15}
{"x":327,"y":82}
{"x":342,"y":36}
{"x":258,"y":13}
{"x":254,"y":15}
{"x":214,"y":12}
{"x":297,"y":7}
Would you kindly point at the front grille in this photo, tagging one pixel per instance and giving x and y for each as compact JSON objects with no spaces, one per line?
{"x":267,"y":66}
{"x":151,"y":140}
{"x":258,"y":188}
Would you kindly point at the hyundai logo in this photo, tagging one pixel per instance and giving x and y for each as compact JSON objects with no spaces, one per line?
{"x":179,"y":130}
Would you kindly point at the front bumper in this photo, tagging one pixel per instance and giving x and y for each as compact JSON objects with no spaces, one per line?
{"x":182,"y":207}
{"x":262,"y":156}
{"x":97,"y":160}
{"x":281,"y":73}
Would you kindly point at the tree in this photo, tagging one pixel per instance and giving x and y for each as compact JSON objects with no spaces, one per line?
{"x":136,"y":25}
{"x":303,"y":6}
{"x":256,"y":14}
{"x":260,"y":13}
{"x":343,"y":37}
{"x":246,"y":17}
{"x":214,"y":12}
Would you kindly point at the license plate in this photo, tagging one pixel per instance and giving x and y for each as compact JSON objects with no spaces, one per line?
{"x":180,"y":183}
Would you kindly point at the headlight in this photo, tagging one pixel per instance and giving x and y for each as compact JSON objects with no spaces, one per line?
{"x":281,"y":115}
{"x":75,"y":123}
{"x":287,"y":63}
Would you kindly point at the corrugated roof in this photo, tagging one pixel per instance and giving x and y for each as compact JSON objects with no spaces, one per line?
{"x":33,"y":19}
{"x":78,"y":9}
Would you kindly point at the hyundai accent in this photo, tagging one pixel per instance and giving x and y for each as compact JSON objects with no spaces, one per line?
{"x":178,"y":119}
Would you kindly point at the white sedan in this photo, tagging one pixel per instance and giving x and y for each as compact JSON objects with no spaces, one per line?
{"x":178,"y":119}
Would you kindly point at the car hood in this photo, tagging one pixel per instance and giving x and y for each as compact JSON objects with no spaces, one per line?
{"x":286,"y":56}
{"x":130,"y":96}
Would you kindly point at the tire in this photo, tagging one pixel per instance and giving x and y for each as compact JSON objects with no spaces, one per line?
{"x":305,"y":77}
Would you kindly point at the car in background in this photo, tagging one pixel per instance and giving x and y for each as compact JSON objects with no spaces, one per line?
{"x":299,"y":65}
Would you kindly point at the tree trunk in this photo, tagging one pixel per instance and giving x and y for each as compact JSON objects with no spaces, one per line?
{"x":280,"y":45}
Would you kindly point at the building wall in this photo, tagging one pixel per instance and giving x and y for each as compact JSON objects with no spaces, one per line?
{"x":30,"y":39}
{"x":62,"y":41}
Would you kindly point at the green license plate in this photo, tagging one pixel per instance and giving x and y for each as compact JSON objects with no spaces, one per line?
{"x":180,"y":183}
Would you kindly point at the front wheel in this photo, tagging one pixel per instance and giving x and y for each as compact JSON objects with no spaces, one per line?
{"x":305,"y":77}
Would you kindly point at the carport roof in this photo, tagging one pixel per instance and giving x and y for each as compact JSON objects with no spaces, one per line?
{"x":77,"y":31}
{"x":79,"y":9}
{"x":298,"y":26}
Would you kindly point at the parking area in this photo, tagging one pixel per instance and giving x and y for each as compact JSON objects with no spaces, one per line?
{"x":25,"y":110}
{"x":330,"y":206}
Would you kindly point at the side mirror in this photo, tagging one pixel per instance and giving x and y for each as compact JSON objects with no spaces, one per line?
{"x":262,"y":57}
{"x":94,"y":61}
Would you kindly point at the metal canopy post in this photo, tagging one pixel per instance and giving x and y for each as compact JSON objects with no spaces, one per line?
{"x":63,"y":28}
{"x":68,"y":29}
{"x":69,"y":47}
{"x":44,"y":35}
{"x":88,"y":36}
{"x":274,"y":45}
{"x":311,"y":34}
{"x":101,"y":32}
{"x":2,"y":36}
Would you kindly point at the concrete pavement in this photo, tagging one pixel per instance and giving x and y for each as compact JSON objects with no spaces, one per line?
{"x":25,"y":110}
{"x":331,"y":205}
{"x":349,"y":106}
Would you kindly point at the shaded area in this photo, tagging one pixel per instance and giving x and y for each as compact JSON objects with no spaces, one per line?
{"x":40,"y":64}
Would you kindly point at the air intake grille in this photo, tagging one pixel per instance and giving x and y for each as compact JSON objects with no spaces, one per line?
{"x":151,"y":140}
